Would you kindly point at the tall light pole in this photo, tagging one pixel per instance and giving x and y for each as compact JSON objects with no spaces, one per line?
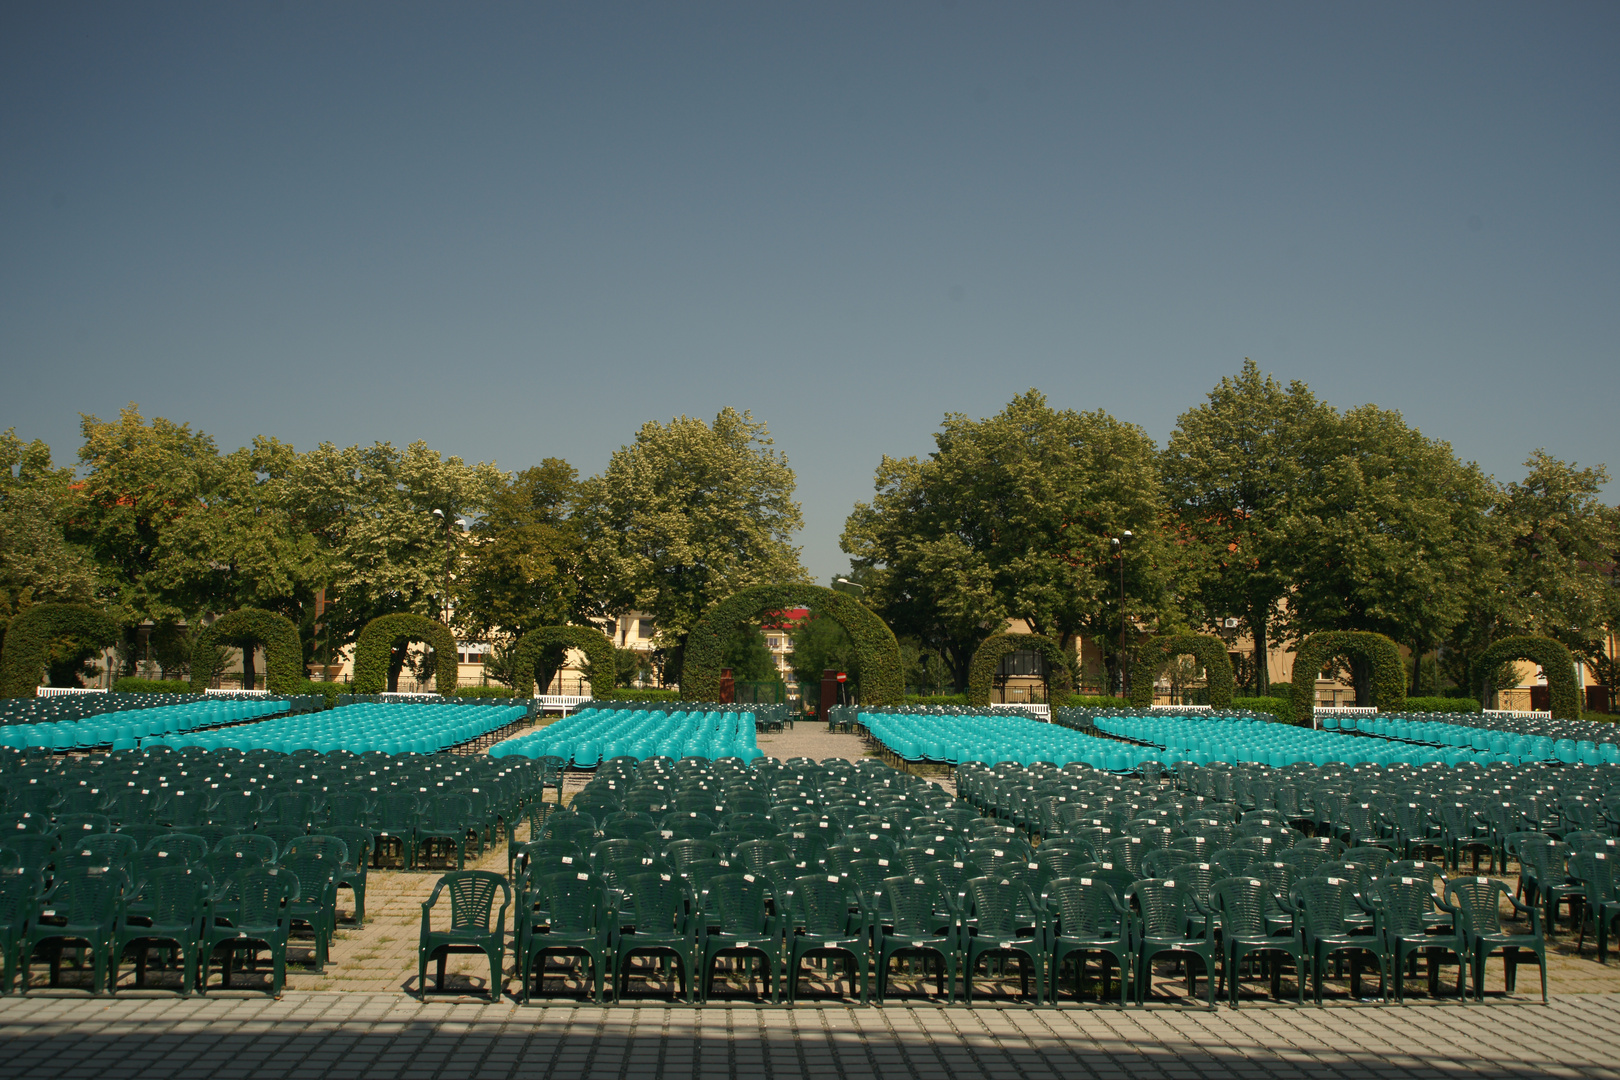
{"x":447,"y":564}
{"x":1119,"y":543}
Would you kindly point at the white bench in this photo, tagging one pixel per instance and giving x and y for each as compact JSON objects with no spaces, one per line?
{"x":222,"y":692}
{"x":1042,"y":711}
{"x":563,"y":703}
{"x":62,"y":691}
{"x":1519,"y":714}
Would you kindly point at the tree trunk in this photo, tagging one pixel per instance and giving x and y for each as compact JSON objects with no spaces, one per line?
{"x":1417,"y":671}
{"x":250,"y":667}
{"x":1361,"y":679}
{"x":1262,"y":675}
{"x":396,"y":664}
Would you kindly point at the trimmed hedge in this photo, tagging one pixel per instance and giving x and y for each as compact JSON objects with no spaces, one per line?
{"x":1098,"y":701}
{"x":1443,"y":705}
{"x":132,"y":685}
{"x":1278,"y":710}
{"x":533,"y":646}
{"x":28,"y":641}
{"x":877,"y":651}
{"x":1210,"y":652}
{"x":651,"y":693}
{"x":986,"y":658}
{"x":283,"y":654}
{"x":376,"y":643}
{"x":485,"y":692}
{"x":936,"y":699}
{"x":1564,"y":696}
{"x":1388,"y":673}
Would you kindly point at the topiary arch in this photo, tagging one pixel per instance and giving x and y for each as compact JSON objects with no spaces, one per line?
{"x":1210,"y":652}
{"x":1388,"y":673}
{"x":29,"y":637}
{"x":376,"y":643}
{"x":982,"y":671}
{"x":283,"y":655}
{"x":876,"y":650}
{"x":532,"y":647}
{"x":1564,"y":697}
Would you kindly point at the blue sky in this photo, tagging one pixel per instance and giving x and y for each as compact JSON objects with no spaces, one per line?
{"x":520,"y":231}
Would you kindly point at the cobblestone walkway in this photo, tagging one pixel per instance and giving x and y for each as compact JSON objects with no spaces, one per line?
{"x":356,"y":1035}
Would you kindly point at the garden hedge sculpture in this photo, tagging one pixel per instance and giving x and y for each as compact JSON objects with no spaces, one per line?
{"x":376,"y":642}
{"x":1210,"y":652}
{"x":283,"y":654}
{"x":877,"y":653}
{"x":1388,"y":673}
{"x":532,"y":648}
{"x":987,"y":657}
{"x":28,"y":641}
{"x":1564,"y":697}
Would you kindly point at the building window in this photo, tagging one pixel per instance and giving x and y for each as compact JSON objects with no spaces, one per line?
{"x":646,"y":628}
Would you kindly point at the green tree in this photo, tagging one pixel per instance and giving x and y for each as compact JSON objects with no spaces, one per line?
{"x":38,"y":564}
{"x":1388,"y":532}
{"x":685,"y":516}
{"x":524,"y":558}
{"x":747,"y":655}
{"x":1233,"y":471}
{"x":820,"y":643}
{"x":1012,"y":517}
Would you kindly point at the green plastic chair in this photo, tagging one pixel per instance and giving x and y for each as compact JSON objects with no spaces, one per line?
{"x":914,"y":918}
{"x":735,"y":912}
{"x":352,"y":873}
{"x":19,"y":895}
{"x":1242,"y":905}
{"x":1163,"y":909}
{"x":827,"y":921}
{"x":1002,"y":917}
{"x":176,"y":908}
{"x":317,"y":869}
{"x":472,"y":900}
{"x":258,"y":915}
{"x":82,"y":908}
{"x":658,"y":919}
{"x":1088,"y":918}
{"x":1474,"y":903}
{"x":565,"y":914}
{"x":1403,"y":909}
{"x":1331,"y":921}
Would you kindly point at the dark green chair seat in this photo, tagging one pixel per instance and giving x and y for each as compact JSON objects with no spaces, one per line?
{"x":736,"y":919}
{"x":1087,"y":918}
{"x":258,"y":914}
{"x":471,"y":929}
{"x":1003,"y":917}
{"x":1163,"y":911}
{"x":827,"y":920}
{"x":1332,"y":921}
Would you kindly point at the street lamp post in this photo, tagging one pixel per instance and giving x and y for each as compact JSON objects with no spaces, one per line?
{"x":448,"y":561}
{"x":1119,"y":543}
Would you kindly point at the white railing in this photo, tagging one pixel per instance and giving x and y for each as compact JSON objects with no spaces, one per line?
{"x":402,"y":695}
{"x":563,"y":703}
{"x":1180,"y":708}
{"x":1042,"y":711}
{"x":226,"y":692}
{"x":62,"y":691}
{"x":1519,"y":714}
{"x":1346,"y":710}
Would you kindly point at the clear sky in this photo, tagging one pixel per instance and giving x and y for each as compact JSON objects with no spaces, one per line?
{"x":520,"y":231}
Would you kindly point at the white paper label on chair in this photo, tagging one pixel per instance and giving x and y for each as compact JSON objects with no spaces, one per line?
{"x":583,"y":877}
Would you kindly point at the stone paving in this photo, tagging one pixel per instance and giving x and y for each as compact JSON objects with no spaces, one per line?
{"x":344,"y":1036}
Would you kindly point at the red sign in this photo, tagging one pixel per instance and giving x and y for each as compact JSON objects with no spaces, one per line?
{"x":842,"y":676}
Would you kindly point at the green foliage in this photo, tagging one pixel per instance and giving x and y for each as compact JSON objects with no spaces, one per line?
{"x":1012,"y":517}
{"x":1210,"y":652}
{"x":484,"y":692}
{"x":1555,"y":661}
{"x":1094,"y":701}
{"x":1388,"y":673}
{"x":37,"y":563}
{"x":1442,"y":705}
{"x":283,"y":655}
{"x":523,"y":565}
{"x":981,"y":677}
{"x":31,"y":634}
{"x":877,"y":653}
{"x":1277,"y":710}
{"x":374,"y":650}
{"x":936,"y":699}
{"x":820,"y":644}
{"x":544,"y":648}
{"x":744,"y":651}
{"x":687,"y":515}
{"x":131,"y":685}
{"x":647,"y":694}
{"x":328,"y":690}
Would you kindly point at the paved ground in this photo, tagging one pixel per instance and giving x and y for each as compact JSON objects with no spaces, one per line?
{"x":341,"y":1036}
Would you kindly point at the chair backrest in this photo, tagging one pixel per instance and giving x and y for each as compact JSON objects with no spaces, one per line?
{"x":1242,"y":902}
{"x":996,"y":903}
{"x":1323,"y":901}
{"x":1086,"y":907}
{"x":361,"y":842}
{"x":822,"y":904}
{"x":1595,"y":871}
{"x":472,"y":897}
{"x":175,"y":894}
{"x":1477,"y":899}
{"x":1402,"y":902}
{"x":575,"y":901}
{"x":1161,"y":906}
{"x":736,"y":902}
{"x":325,"y":845}
{"x":186,"y":846}
{"x":84,"y":899}
{"x":262,"y":895}
{"x":656,"y":903}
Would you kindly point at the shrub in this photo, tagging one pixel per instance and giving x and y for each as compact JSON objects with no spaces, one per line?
{"x":1087,"y":701}
{"x":327,"y":690}
{"x":283,"y":655}
{"x":936,"y":699}
{"x":1210,"y":652}
{"x":375,"y":645}
{"x":987,"y":657}
{"x":648,"y":694}
{"x":1442,"y":705}
{"x":131,"y":685}
{"x":1275,"y":709}
{"x":29,"y":636}
{"x":485,"y":691}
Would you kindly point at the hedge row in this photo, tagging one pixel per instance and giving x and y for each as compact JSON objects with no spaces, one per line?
{"x":283,"y":653}
{"x":1555,"y":661}
{"x":1388,"y":671}
{"x":1210,"y":652}
{"x":537,"y":644}
{"x":987,"y":657}
{"x":129,"y":684}
{"x":29,"y":636}
{"x":374,"y":649}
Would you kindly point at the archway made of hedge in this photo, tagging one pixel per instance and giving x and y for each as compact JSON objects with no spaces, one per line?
{"x":532,"y":648}
{"x":1388,"y":673}
{"x":1210,"y":652}
{"x":987,"y":657}
{"x":28,"y":641}
{"x":283,"y":654}
{"x":1564,"y":697}
{"x":877,"y":651}
{"x":375,"y":645}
